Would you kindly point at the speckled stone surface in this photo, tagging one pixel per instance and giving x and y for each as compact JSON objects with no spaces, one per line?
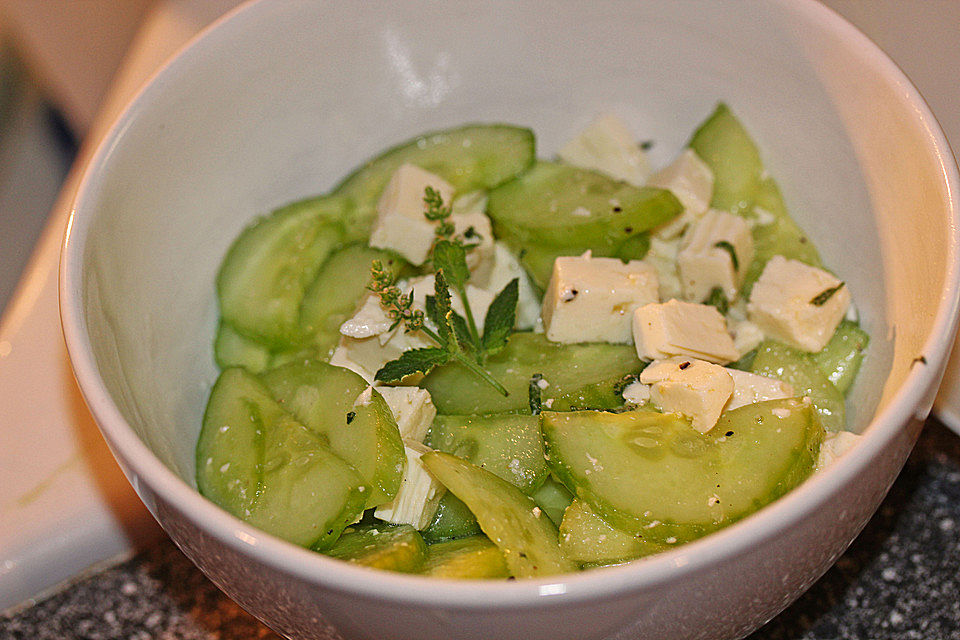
{"x":899,"y":580}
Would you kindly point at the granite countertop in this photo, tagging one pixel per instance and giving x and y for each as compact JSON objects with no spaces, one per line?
{"x":900,"y":579}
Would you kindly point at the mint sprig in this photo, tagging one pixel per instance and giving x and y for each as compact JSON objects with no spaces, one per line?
{"x":458,"y":337}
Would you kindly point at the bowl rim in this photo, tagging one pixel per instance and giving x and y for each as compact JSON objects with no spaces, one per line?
{"x":144,"y":469}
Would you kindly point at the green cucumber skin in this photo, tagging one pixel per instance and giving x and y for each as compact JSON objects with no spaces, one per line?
{"x":473,"y":558}
{"x":508,"y":445}
{"x":801,"y":371}
{"x":263,"y":277}
{"x":579,"y":375}
{"x":322,"y":396}
{"x":258,"y":463}
{"x":388,"y":547}
{"x":512,"y":520}
{"x":840,"y":359}
{"x":496,"y":153}
{"x":741,"y":185}
{"x":653,"y":475}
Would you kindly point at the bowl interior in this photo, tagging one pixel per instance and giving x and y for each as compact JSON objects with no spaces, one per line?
{"x":285,"y":98}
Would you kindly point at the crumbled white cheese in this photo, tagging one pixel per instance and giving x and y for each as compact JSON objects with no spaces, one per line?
{"x":662,"y":256}
{"x":746,"y":335}
{"x":715,"y":253}
{"x":675,"y":328}
{"x":784,"y":303}
{"x":636,"y":393}
{"x":401,"y":225}
{"x":694,"y":388}
{"x":593,"y":299}
{"x":475,"y":230}
{"x":749,"y":388}
{"x":607,"y":146}
{"x":691,"y":181}
{"x":835,"y":445}
{"x":369,"y":320}
{"x":419,"y":496}
{"x":412,"y":408}
{"x":505,"y":268}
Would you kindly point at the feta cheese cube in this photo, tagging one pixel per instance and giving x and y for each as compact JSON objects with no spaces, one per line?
{"x":401,"y":225}
{"x":835,"y":445}
{"x":798,"y":304}
{"x":419,"y":496}
{"x":716,"y":252}
{"x":749,"y":388}
{"x":412,"y":408}
{"x":662,"y":256}
{"x":694,"y":388}
{"x":691,"y":181}
{"x":636,"y":393}
{"x":674,"y":328}
{"x":607,"y":146}
{"x":592,"y":299}
{"x":506,"y":267}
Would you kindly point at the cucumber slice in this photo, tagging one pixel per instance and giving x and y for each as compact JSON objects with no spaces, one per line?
{"x":740,"y":186}
{"x":563,"y":205}
{"x":473,"y":558}
{"x":840,"y":359}
{"x":652,"y":474}
{"x":381,"y":546}
{"x":586,"y":538}
{"x":553,"y":498}
{"x":261,"y":465}
{"x":266,"y":271}
{"x":800,"y":370}
{"x":453,"y":520}
{"x":508,"y":445}
{"x":512,"y":520}
{"x":469,"y":158}
{"x":231,"y":349}
{"x":579,"y":375}
{"x":337,"y":290}
{"x":362,"y":432}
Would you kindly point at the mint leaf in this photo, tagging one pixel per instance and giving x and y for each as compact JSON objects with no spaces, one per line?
{"x":726,"y":246}
{"x":501,"y":316}
{"x":459,"y":324}
{"x":443,"y":310}
{"x":411,"y":362}
{"x":451,"y":258}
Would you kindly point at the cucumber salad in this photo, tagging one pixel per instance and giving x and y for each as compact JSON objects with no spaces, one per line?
{"x":468,"y":362}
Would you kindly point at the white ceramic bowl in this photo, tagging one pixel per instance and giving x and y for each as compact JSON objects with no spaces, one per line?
{"x":283,"y":97}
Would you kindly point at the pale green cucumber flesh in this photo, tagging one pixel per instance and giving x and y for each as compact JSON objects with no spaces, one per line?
{"x":512,"y":520}
{"x":741,"y":186}
{"x":840,"y":359}
{"x":553,"y":498}
{"x":508,"y":445}
{"x":586,"y":538}
{"x":453,"y":520}
{"x":472,"y":157}
{"x":257,"y":462}
{"x":231,"y":349}
{"x":800,"y":370}
{"x":578,"y":375}
{"x":473,"y":558}
{"x":361,"y":430}
{"x":381,"y":546}
{"x":652,"y":474}
{"x":263,"y":278}
{"x":336,"y":292}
